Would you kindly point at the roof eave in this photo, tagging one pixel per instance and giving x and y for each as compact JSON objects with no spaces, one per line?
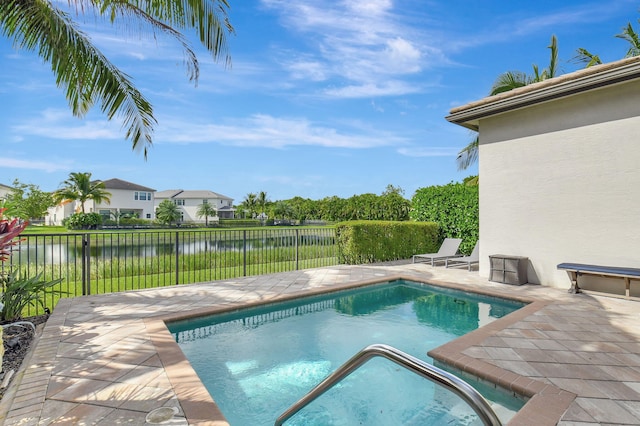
{"x":470,"y":115}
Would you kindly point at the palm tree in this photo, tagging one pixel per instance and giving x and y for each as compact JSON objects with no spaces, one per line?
{"x":628,"y":34}
{"x":86,"y":75}
{"x":505,"y":82}
{"x":168,"y":212}
{"x":205,"y":210}
{"x":250,"y":203}
{"x":80,"y":188}
{"x":513,"y":79}
{"x":261,"y":201}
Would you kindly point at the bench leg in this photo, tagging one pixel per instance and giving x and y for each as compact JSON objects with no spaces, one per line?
{"x":573,"y":276}
{"x":627,"y":287}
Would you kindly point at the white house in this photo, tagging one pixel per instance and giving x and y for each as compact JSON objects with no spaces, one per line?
{"x":559,"y":171}
{"x":126,"y":199}
{"x":189,"y":201}
{"x":5,"y":191}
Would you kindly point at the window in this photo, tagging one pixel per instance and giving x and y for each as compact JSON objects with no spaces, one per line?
{"x":178,"y":202}
{"x":142,"y":196}
{"x":205,"y":201}
{"x":148,"y":215}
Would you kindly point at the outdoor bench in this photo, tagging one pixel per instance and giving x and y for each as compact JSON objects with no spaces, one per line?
{"x":576,"y":269}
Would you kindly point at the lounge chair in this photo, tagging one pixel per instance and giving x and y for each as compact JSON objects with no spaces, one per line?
{"x":448,"y":249}
{"x":473,"y":258}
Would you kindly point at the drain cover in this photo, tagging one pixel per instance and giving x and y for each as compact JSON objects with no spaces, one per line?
{"x":161,"y":415}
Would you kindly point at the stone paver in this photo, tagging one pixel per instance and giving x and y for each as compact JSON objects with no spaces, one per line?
{"x":104,"y":360}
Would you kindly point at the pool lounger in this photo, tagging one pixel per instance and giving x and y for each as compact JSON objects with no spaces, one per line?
{"x":448,"y":249}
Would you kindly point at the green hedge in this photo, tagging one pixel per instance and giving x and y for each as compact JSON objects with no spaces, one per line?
{"x":379,"y":241}
{"x":454,"y":207}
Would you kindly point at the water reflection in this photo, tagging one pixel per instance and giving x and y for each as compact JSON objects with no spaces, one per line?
{"x":60,"y":250}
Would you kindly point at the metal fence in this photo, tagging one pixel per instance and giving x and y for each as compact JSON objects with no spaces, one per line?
{"x":101,"y":262}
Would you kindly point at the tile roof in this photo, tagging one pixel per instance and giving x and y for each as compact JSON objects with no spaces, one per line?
{"x":591,"y":78}
{"x":186,"y":194}
{"x":123,"y":184}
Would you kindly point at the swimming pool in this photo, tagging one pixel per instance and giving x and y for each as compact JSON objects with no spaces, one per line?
{"x":257,"y":362}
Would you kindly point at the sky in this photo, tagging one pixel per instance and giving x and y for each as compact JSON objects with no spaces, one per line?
{"x":323,"y":98}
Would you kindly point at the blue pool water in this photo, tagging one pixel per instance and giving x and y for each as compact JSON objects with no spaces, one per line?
{"x":257,"y":362}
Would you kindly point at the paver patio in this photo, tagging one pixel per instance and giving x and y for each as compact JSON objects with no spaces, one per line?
{"x":109,"y":359}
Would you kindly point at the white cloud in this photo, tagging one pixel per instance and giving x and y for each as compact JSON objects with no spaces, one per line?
{"x":311,"y":70}
{"x":433,"y":151}
{"x":60,"y":124}
{"x":362,"y":43}
{"x":388,"y":88}
{"x":266,"y":131}
{"x":404,"y":57}
{"x":14,"y":163}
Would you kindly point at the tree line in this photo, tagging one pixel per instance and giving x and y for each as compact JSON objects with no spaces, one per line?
{"x":29,"y":202}
{"x":390,"y":205}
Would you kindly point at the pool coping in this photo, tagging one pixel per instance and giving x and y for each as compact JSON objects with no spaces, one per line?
{"x":546,"y":405}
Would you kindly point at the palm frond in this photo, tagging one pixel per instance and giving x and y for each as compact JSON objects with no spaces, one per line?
{"x":553,"y":61}
{"x":80,"y":69}
{"x":468,"y":155}
{"x":207,"y":17}
{"x":508,"y":81}
{"x":629,"y":34}
{"x":583,"y":56}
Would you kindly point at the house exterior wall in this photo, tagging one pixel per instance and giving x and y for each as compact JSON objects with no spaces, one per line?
{"x":5,"y":191}
{"x":125,"y":200}
{"x":560,"y":182}
{"x":56,"y":214}
{"x":189,"y":206}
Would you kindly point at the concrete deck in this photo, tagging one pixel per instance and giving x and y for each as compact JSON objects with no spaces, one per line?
{"x":108,"y":359}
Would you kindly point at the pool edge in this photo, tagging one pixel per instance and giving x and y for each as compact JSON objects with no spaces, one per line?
{"x":547,"y":402}
{"x":546,"y":405}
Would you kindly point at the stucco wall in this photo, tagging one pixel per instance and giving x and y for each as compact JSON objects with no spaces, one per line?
{"x":560,"y":182}
{"x":124,"y":199}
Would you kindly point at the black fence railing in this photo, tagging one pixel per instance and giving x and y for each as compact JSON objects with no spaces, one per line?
{"x":105,"y":262}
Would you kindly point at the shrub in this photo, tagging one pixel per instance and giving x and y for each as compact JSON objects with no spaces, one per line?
{"x":454,"y":207}
{"x":83,"y":221}
{"x":21,"y":292}
{"x":17,"y":293}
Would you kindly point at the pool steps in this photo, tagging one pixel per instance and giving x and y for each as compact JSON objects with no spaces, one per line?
{"x":451,"y":382}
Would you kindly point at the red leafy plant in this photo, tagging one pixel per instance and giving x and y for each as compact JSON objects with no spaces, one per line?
{"x":8,"y":231}
{"x":17,"y":292}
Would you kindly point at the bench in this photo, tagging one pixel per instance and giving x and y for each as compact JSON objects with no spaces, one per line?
{"x":576,"y":269}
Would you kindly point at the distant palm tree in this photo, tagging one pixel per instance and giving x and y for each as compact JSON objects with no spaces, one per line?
{"x":79,"y":187}
{"x":250,"y":203}
{"x":632,"y":38}
{"x":206,"y":210}
{"x":513,"y":79}
{"x":168,"y":212}
{"x":628,"y":34}
{"x":262,"y":200}
{"x":505,"y":82}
